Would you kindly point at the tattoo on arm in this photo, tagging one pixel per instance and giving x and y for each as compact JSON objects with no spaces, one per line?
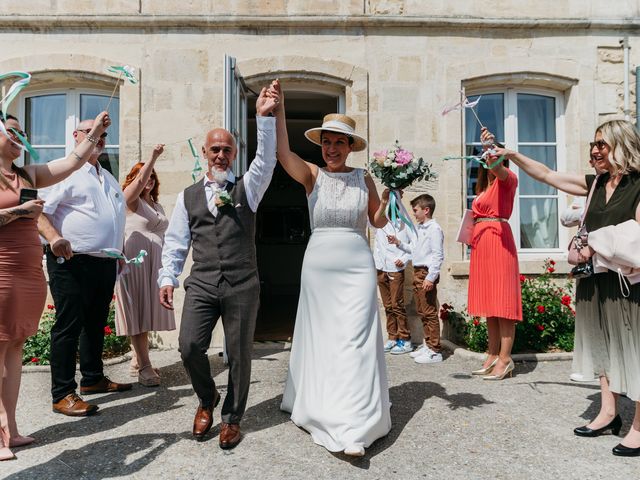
{"x":10,"y":215}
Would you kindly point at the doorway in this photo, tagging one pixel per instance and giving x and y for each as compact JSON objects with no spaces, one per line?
{"x":282,"y":224}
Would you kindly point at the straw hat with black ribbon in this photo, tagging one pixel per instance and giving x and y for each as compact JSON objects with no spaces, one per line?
{"x":338,"y":123}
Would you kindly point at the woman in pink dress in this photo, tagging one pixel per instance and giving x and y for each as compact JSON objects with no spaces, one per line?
{"x":23,"y":288}
{"x":138,"y":310}
{"x":494,"y":277}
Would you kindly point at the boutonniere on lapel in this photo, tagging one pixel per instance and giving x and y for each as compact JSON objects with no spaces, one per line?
{"x":223,"y":198}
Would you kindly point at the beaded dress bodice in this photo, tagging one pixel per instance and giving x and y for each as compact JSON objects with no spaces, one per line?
{"x":339,"y":200}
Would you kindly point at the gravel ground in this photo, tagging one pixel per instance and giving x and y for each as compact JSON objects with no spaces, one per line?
{"x":446,"y":424}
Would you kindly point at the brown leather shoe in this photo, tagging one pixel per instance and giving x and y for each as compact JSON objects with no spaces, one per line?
{"x":105,"y":386}
{"x":74,"y":406}
{"x":204,"y":418}
{"x":230,"y":435}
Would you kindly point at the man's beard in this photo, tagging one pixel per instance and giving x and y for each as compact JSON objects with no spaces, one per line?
{"x":219,"y":176}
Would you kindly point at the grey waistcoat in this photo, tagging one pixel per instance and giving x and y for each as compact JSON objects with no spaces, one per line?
{"x":223,"y":246}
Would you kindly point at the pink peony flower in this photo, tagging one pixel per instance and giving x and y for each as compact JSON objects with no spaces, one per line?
{"x":403,"y":157}
{"x":380,"y":157}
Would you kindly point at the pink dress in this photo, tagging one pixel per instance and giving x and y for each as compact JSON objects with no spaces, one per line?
{"x":494,"y":276}
{"x":138,"y":306}
{"x":23,"y":289}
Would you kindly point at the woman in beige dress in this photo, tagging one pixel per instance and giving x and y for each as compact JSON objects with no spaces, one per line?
{"x":137,"y":308}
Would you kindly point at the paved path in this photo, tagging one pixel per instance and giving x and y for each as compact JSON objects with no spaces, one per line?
{"x":446,"y":424}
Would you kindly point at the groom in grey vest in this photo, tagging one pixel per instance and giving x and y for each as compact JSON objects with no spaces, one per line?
{"x":216,"y":218}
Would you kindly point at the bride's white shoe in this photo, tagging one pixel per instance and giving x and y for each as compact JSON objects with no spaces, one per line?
{"x":354,"y":451}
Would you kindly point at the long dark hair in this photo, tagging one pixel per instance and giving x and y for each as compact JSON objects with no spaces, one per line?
{"x":21,"y":172}
{"x":483,"y":177}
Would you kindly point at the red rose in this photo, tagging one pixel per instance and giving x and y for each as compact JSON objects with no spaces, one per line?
{"x":107,"y":330}
{"x":522,"y":278}
{"x":566,"y":300}
{"x":35,"y":360}
{"x":476,"y":322}
{"x":540,"y":308}
{"x":540,"y":327}
{"x":51,"y":307}
{"x":552,"y":262}
{"x":444,"y":314}
{"x":551,"y":269}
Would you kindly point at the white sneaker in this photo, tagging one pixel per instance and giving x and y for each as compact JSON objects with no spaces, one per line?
{"x":578,"y":377}
{"x":402,"y":346}
{"x":389,"y":344}
{"x":419,"y":351}
{"x":429,"y":357}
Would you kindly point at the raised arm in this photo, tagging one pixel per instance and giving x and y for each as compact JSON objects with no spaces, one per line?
{"x":53,"y":172}
{"x":571,"y":183}
{"x":302,"y":172}
{"x":135,"y":188}
{"x":376,"y":206}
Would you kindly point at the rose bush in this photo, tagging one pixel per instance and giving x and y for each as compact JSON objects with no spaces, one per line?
{"x":547,"y":313}
{"x":37,"y":348}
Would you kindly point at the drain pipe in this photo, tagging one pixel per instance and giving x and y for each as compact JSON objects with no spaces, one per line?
{"x":625,"y":46}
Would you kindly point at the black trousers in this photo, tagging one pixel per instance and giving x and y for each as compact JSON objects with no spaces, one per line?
{"x":238,"y":307}
{"x":82,"y":288}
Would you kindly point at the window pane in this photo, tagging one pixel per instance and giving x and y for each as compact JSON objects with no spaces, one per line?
{"x":45,"y":119}
{"x":472,"y":170}
{"x":109,"y":160}
{"x":92,"y":105}
{"x":536,"y":118}
{"x":546,"y":155}
{"x":46,"y":155}
{"x":538,"y":223}
{"x":491,"y":113}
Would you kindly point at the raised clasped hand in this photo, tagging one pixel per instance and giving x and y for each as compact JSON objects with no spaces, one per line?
{"x":269,"y":99}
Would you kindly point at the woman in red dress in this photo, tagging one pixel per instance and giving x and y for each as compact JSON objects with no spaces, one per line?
{"x":494,"y":277}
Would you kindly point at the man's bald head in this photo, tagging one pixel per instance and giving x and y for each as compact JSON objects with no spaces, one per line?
{"x":220,"y":150}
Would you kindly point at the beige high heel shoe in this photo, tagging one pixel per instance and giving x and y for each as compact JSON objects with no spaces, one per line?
{"x":507,"y":371}
{"x":485,"y":371}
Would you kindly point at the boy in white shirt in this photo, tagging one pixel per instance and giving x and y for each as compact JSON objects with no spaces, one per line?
{"x":390,"y":264}
{"x":427,"y":254}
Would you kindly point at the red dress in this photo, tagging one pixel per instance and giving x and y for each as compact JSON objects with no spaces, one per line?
{"x":494,"y":276}
{"x":23,"y":289}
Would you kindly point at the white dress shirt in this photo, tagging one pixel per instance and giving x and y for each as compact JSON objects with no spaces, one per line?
{"x":571,"y":216}
{"x":177,"y":239}
{"x":385,"y":254}
{"x":427,"y":248}
{"x":88,"y":209}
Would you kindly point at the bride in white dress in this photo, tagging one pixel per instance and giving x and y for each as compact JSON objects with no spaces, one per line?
{"x":337,"y":387}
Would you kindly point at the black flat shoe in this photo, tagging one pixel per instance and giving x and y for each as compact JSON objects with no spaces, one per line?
{"x":614,"y":426}
{"x":622,"y":451}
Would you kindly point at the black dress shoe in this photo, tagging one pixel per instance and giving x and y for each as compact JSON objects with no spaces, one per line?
{"x":615,"y":425}
{"x":622,"y":451}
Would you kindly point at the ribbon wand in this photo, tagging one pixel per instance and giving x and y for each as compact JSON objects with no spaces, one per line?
{"x":125,"y":71}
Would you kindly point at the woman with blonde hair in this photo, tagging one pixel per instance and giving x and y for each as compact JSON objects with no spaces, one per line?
{"x":138,"y":311}
{"x":23,"y":289}
{"x":607,"y":302}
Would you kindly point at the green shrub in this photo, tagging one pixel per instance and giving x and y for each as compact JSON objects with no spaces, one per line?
{"x":37,"y":348}
{"x":547,"y":313}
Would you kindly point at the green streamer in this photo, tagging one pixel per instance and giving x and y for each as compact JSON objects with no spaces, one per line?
{"x":115,"y":253}
{"x":197,"y":167}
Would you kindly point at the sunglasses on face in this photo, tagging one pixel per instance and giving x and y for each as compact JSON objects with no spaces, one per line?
{"x":104,"y":135}
{"x":15,"y":134}
{"x":599,"y":144}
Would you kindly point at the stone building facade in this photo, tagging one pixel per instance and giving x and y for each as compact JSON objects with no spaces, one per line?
{"x":549,"y":73}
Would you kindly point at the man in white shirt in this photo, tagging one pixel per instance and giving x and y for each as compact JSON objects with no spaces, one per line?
{"x":216,"y":219}
{"x":427,"y":254}
{"x":390,"y":263}
{"x":82,"y":215}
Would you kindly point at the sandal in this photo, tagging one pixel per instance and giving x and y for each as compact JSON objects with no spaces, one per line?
{"x":149,"y":381}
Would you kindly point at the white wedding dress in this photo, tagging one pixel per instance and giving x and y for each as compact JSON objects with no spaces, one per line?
{"x":337,"y":385}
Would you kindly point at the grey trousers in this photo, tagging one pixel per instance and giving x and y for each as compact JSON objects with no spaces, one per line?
{"x":238,"y":307}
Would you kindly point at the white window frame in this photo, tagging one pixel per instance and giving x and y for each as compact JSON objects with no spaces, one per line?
{"x":510,"y":95}
{"x":72,"y":97}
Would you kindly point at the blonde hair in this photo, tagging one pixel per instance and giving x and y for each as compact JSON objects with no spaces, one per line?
{"x":624,"y":145}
